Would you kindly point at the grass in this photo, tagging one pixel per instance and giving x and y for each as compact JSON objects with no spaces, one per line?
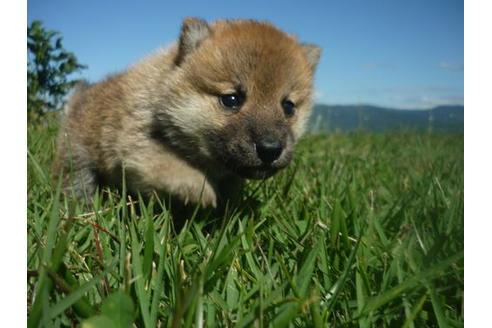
{"x":361,"y":230}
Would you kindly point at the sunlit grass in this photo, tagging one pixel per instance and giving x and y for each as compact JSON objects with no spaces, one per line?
{"x":361,"y":230}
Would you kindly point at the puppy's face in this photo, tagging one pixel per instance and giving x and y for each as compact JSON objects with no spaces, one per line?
{"x":244,"y":92}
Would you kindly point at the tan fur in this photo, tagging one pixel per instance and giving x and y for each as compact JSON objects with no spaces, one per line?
{"x":162,"y":123}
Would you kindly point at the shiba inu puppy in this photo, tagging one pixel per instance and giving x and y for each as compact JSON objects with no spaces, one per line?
{"x":226,"y":103}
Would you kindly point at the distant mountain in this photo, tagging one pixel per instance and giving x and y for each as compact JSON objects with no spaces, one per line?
{"x":348,"y":118}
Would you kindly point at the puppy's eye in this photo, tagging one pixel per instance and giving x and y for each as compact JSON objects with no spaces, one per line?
{"x":232,"y":101}
{"x":289,"y":107}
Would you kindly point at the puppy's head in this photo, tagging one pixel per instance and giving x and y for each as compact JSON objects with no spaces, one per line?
{"x":243,"y":93}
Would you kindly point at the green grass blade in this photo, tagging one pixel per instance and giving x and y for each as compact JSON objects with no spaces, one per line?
{"x":414,"y":281}
{"x":142,"y":294}
{"x":73,"y":297}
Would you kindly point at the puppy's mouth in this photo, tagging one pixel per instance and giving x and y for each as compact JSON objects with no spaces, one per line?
{"x":255,"y":169}
{"x":241,"y":159}
{"x":256,"y":172}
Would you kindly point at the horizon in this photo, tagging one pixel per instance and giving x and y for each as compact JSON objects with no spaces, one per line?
{"x":406,"y":55}
{"x":384,"y":107}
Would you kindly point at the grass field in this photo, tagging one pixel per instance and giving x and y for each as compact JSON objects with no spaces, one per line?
{"x":361,"y":230}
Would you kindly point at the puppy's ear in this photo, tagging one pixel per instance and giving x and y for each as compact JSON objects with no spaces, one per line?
{"x":193,"y":32}
{"x":313,"y":54}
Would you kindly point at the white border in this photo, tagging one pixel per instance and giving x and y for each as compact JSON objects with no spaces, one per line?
{"x":13,"y":196}
{"x":478,"y":163}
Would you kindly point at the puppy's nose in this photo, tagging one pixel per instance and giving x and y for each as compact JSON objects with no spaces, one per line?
{"x":269,"y":150}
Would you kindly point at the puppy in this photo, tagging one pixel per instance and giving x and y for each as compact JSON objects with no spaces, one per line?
{"x":226,"y":103}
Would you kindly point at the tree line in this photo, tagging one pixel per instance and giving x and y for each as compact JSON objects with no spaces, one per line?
{"x":50,"y":68}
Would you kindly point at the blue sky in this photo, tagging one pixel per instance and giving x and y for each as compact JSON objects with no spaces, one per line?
{"x":405,"y":54}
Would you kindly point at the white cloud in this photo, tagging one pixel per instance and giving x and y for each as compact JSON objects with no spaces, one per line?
{"x":404,"y":97}
{"x":429,"y":101}
{"x":318,"y":95}
{"x":454,"y":67}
